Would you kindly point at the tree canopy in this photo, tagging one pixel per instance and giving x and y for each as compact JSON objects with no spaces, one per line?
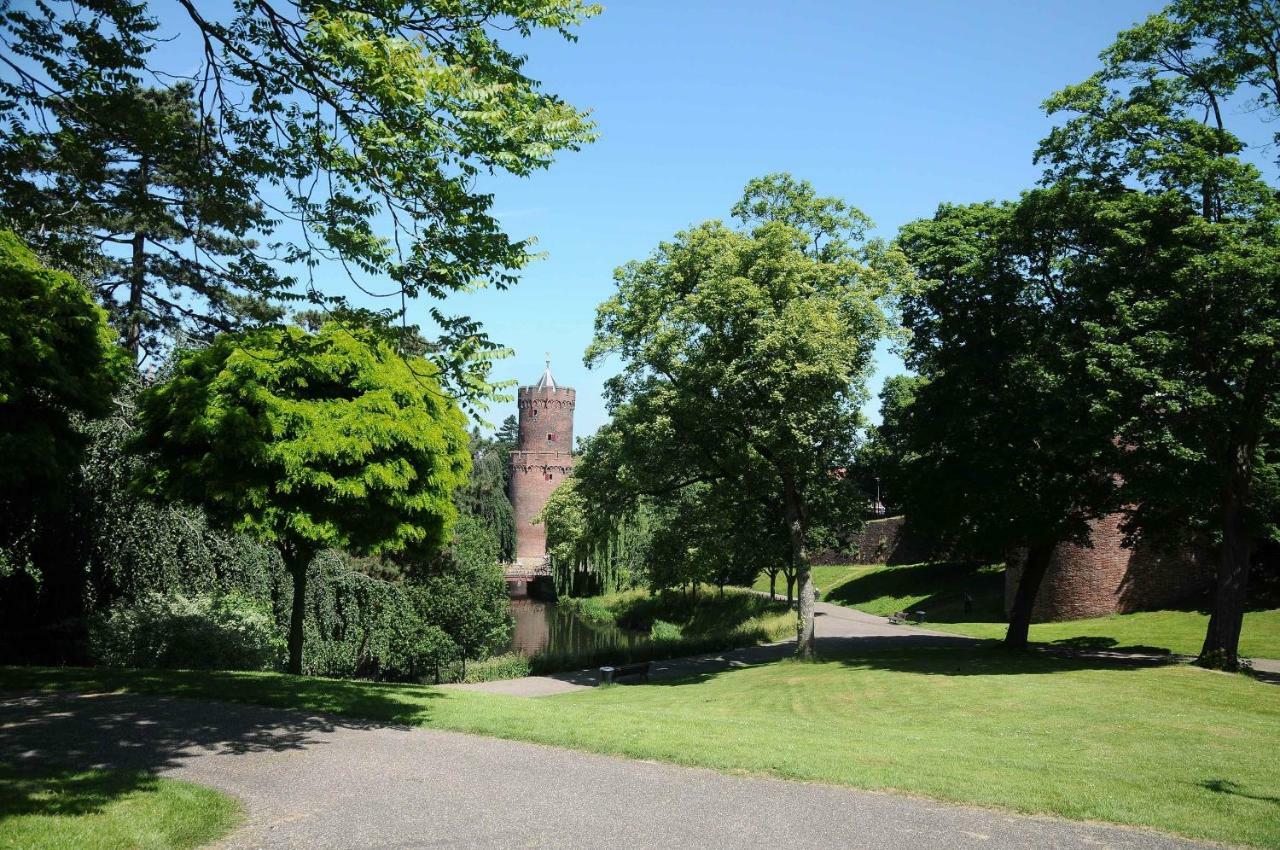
{"x":310,"y":441}
{"x":745,"y":357}
{"x":359,"y":133}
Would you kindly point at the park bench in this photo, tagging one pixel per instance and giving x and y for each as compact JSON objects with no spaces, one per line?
{"x":898,"y":618}
{"x":611,"y":674}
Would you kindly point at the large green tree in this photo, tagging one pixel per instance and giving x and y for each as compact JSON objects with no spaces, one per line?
{"x":1182,"y":247}
{"x":1002,"y":451}
{"x":58,"y":367}
{"x":745,"y":357}
{"x":309,"y":441}
{"x":128,"y":190}
{"x":364,"y":130}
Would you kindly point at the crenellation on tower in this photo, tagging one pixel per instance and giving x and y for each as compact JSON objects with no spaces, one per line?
{"x":542,"y":459}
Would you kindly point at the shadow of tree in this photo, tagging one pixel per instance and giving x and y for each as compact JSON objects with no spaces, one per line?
{"x":938,"y":589}
{"x":1226,"y":786}
{"x":65,"y":791}
{"x":75,"y":749}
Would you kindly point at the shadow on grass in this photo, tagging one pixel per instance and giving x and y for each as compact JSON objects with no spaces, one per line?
{"x":919,"y":655}
{"x":1226,"y":786}
{"x":940,"y":588}
{"x":59,"y":791}
{"x":59,"y":726}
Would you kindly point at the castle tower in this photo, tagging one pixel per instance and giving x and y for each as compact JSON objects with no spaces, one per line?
{"x":542,"y":459}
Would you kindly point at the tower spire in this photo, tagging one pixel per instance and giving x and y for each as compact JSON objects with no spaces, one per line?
{"x":546,"y":382}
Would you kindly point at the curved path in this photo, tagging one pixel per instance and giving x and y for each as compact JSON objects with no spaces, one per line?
{"x":311,"y":781}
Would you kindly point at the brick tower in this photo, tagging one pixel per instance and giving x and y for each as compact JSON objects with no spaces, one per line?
{"x":542,"y":459}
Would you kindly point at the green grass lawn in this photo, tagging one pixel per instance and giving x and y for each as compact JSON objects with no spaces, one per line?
{"x":824,"y":578}
{"x":1175,"y":747}
{"x":108,"y":810}
{"x":939,"y":590}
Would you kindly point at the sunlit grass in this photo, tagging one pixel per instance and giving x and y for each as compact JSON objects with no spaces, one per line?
{"x":69,"y":809}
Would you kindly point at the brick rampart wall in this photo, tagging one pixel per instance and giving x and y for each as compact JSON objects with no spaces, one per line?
{"x":882,"y":541}
{"x":1111,"y":578}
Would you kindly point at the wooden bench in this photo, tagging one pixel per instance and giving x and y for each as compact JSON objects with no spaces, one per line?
{"x":611,"y":674}
{"x":899,"y":618}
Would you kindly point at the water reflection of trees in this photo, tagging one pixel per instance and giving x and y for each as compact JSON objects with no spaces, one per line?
{"x":543,"y":626}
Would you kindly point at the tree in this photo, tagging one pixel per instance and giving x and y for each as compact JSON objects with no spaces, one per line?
{"x":745,"y":357}
{"x":58,"y":361}
{"x":58,"y":367}
{"x":484,"y":496}
{"x":364,"y":129}
{"x":1003,"y":449}
{"x":885,"y":457}
{"x":129,"y":190}
{"x":1185,"y":259}
{"x":310,"y":441}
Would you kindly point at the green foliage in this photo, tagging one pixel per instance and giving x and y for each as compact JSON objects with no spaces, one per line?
{"x":135,"y":546}
{"x":745,"y":358}
{"x":57,"y":363}
{"x":593,"y":550}
{"x":363,"y":130}
{"x":151,"y":207}
{"x":310,"y":441}
{"x":208,"y":631}
{"x":1176,"y":239}
{"x":510,"y":665}
{"x":46,"y":807}
{"x":484,"y":496}
{"x":1004,"y":446}
{"x":662,"y":630}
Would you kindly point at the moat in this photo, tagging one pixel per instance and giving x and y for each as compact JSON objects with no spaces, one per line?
{"x":542,"y":626}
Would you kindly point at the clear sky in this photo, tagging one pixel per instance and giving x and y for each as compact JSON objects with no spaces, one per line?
{"x":894,"y":106}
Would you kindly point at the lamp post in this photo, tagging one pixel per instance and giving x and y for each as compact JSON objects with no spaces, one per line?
{"x":878,"y":508}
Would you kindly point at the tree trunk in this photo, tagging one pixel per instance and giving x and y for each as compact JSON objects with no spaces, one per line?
{"x":804,"y":576}
{"x":773,"y":584}
{"x":1033,"y":571}
{"x":1221,"y":647}
{"x":791,"y":586}
{"x":137,"y":267}
{"x":297,"y":560}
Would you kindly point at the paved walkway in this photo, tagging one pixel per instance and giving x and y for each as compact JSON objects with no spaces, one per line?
{"x":316,"y":782}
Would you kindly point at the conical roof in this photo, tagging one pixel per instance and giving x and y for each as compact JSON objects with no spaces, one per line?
{"x":546,"y":382}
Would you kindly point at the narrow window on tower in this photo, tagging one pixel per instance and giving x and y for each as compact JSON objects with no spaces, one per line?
{"x":551,"y":438}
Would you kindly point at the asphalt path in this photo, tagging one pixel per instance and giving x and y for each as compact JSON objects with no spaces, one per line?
{"x":314,"y":781}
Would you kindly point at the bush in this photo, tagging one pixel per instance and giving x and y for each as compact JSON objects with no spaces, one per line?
{"x":511,"y":665}
{"x":223,"y":631}
{"x":662,"y":630}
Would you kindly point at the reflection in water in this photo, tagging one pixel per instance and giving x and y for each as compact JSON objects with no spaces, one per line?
{"x":544,"y":626}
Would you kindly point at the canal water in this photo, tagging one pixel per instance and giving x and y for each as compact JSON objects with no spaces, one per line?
{"x":542,"y":626}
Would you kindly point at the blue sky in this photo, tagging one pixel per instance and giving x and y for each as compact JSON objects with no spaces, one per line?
{"x":893,"y":106}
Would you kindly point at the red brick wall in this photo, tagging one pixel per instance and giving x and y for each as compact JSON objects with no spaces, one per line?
{"x":539,"y":465}
{"x":882,"y":541}
{"x":1110,"y":578}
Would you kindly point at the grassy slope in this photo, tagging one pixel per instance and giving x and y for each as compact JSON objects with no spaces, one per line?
{"x":939,"y":590}
{"x":1174,"y":748}
{"x":108,"y":810}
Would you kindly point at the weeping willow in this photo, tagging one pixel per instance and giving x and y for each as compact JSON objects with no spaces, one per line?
{"x":591,"y":551}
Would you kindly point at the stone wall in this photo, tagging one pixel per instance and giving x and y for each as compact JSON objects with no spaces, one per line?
{"x":1111,"y":578}
{"x":882,"y":541}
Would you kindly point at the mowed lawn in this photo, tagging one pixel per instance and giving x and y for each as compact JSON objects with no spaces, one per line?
{"x":70,"y":809}
{"x":940,"y":589}
{"x":1173,"y":747}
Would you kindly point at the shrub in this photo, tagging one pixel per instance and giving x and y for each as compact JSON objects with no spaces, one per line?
{"x":662,"y":630}
{"x":223,"y":631}
{"x":510,"y":665}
